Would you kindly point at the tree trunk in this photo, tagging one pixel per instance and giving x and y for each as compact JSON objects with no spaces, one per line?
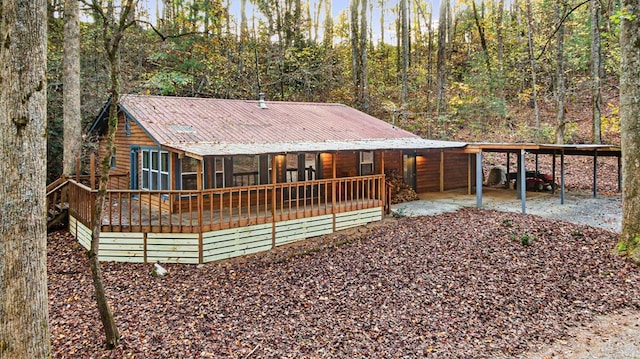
{"x":441,"y":104}
{"x":113,"y":33}
{"x":596,"y":55}
{"x":355,"y":56}
{"x":328,"y":28}
{"x":532,"y":60}
{"x":405,"y":54}
{"x":364,"y":66}
{"x":382,"y":24}
{"x":500,"y":40}
{"x":71,"y":115}
{"x":560,"y":84}
{"x":24,"y":331}
{"x":483,"y":40}
{"x":630,"y":128}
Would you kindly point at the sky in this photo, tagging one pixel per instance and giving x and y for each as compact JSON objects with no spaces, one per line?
{"x":338,"y":6}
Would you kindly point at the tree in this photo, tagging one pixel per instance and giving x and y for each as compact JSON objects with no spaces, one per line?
{"x":630,"y":127}
{"x":441,"y":104}
{"x":24,"y":331}
{"x":483,"y":40}
{"x":560,"y":83}
{"x":596,"y":69}
{"x":405,"y":53}
{"x":113,"y":32}
{"x":71,"y":109}
{"x":532,"y":61}
{"x":359,"y":66}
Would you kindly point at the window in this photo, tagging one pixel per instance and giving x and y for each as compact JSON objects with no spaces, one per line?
{"x":310,"y":166}
{"x":127,"y":126}
{"x":292,"y":167}
{"x":246,"y":170}
{"x":189,"y":172}
{"x":219,"y":172}
{"x":366,"y":163}
{"x":155,"y":169}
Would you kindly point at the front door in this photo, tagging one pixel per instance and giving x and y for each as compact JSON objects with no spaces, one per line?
{"x":409,"y":170}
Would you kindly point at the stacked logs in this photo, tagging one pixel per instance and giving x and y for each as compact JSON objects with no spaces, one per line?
{"x":400,"y":191}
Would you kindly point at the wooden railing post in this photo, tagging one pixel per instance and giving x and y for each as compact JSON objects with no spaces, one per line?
{"x":92,"y":172}
{"x":78,"y":168}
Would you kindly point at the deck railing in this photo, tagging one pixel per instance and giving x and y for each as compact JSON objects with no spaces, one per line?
{"x":221,"y":208}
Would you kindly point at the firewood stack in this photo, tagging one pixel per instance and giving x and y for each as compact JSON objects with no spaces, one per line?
{"x":400,"y":191}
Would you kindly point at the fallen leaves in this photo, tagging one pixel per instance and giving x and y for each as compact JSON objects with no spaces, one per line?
{"x":457,"y":285}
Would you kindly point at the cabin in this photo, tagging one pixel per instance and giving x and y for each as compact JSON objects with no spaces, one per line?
{"x":195,"y":180}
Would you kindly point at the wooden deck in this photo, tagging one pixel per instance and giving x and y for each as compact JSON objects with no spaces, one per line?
{"x":202,"y":226}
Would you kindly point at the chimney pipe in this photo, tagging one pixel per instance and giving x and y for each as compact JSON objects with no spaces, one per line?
{"x":261,"y":102}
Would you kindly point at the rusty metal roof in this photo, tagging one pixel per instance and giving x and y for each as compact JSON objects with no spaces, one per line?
{"x":203,"y":126}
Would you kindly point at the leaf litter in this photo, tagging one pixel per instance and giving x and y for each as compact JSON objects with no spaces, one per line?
{"x":457,"y":285}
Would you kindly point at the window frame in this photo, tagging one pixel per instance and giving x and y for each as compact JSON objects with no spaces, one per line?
{"x":366,"y":162}
{"x":155,"y":172}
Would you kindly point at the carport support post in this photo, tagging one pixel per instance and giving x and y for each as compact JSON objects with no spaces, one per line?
{"x":562,"y":177}
{"x":619,"y":174}
{"x":522,"y":190}
{"x":595,"y":173}
{"x":553,"y":173}
{"x":479,"y":179}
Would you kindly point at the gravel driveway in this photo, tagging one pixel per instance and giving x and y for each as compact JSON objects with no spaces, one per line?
{"x":581,"y":208}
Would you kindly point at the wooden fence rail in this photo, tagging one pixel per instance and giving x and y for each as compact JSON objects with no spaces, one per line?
{"x":222,"y":208}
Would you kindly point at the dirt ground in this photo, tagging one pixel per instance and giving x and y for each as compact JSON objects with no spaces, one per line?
{"x":615,"y":336}
{"x":607,"y":337}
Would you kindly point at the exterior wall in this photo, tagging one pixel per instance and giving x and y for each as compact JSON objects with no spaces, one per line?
{"x":456,"y":170}
{"x":347,"y":164}
{"x":428,"y":171}
{"x":449,"y":166}
{"x":123,"y":145}
{"x":392,"y":161}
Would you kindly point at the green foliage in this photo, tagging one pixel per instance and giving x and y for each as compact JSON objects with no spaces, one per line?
{"x":622,"y":14}
{"x":202,"y":53}
{"x":399,"y":213}
{"x":611,"y":123}
{"x":526,"y":239}
{"x":168,"y":83}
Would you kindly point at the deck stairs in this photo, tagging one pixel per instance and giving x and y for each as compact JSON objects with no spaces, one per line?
{"x":57,"y":204}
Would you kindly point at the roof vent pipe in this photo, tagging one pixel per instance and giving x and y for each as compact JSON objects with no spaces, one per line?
{"x":261,"y":102}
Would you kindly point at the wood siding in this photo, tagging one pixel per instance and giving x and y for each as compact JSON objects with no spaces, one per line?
{"x":456,"y":170}
{"x":428,"y":171}
{"x":123,"y":143}
{"x":392,"y":161}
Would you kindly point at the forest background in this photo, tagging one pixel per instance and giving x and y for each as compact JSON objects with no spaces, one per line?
{"x":525,"y":70}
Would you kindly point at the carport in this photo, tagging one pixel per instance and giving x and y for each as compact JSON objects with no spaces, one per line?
{"x":522,"y":149}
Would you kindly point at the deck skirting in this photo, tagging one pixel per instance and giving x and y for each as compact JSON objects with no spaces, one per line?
{"x":194,"y":248}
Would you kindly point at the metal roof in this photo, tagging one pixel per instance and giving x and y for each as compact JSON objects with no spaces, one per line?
{"x":203,"y":126}
{"x":568,"y":149}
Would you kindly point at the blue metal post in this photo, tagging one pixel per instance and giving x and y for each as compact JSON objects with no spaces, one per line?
{"x":479,"y":179}
{"x":553,"y":173}
{"x":562,"y":177}
{"x":522,"y":179}
{"x":595,"y":173}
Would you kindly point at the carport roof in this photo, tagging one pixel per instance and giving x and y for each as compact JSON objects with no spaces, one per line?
{"x":567,"y":149}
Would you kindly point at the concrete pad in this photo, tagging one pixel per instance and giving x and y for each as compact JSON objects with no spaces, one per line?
{"x":579,"y":208}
